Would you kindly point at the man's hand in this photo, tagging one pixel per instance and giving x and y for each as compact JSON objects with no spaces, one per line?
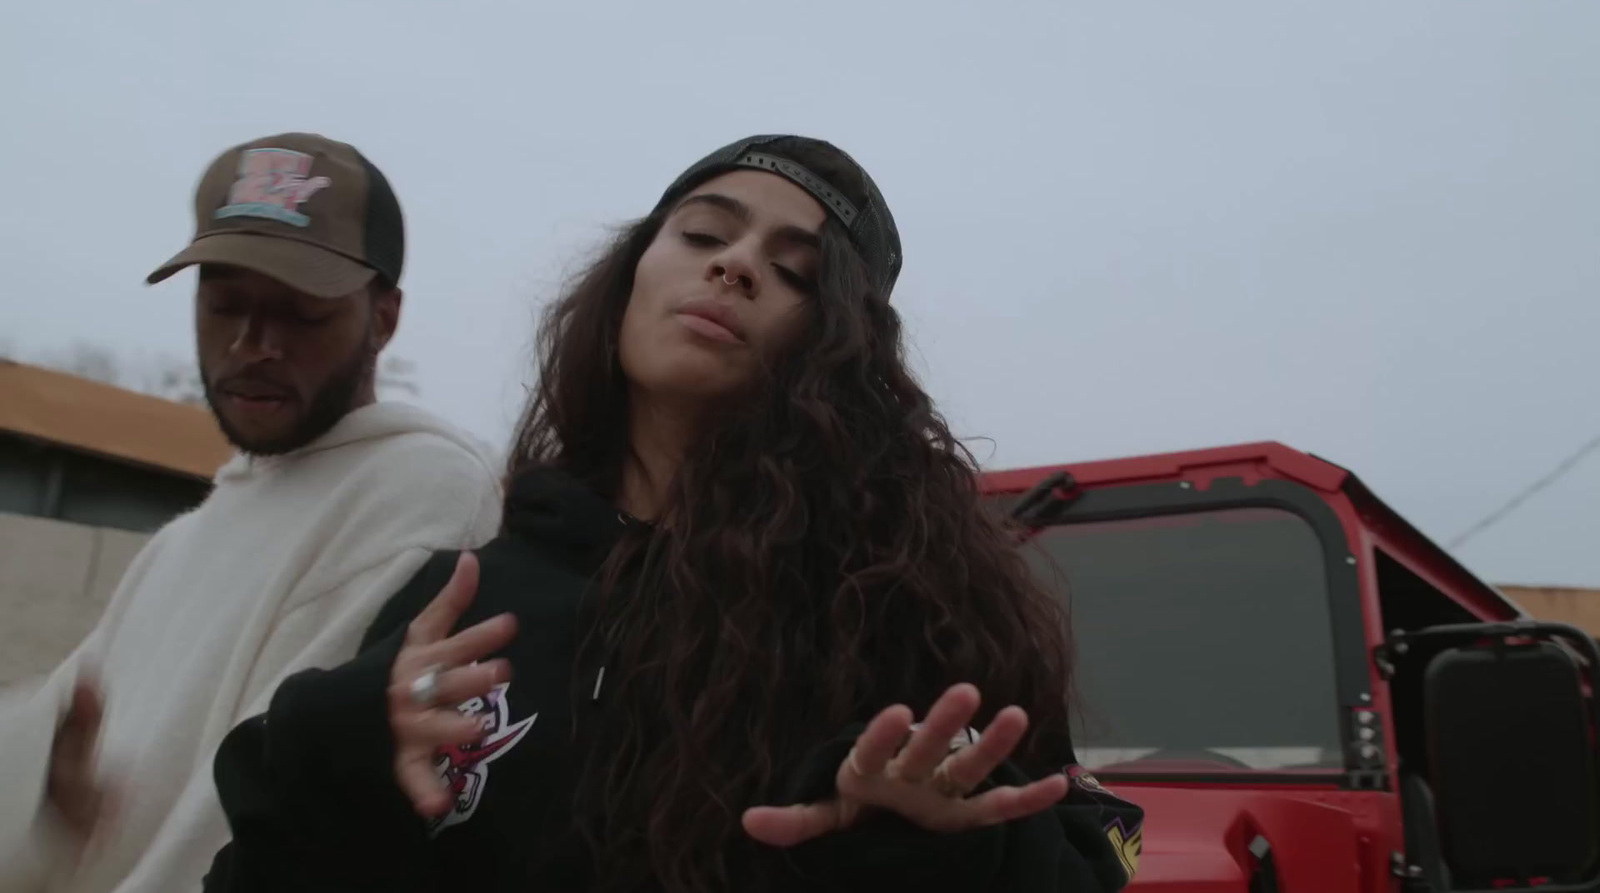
{"x":83,"y":803}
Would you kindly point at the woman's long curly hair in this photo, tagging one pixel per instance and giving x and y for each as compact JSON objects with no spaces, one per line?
{"x":822,"y":555}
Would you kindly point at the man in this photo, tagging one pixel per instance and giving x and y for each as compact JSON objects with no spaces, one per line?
{"x":333,"y":502}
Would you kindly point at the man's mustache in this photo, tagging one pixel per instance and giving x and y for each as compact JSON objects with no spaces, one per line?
{"x":253,"y":384}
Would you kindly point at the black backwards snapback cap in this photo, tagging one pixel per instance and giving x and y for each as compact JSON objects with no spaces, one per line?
{"x":830,"y":175}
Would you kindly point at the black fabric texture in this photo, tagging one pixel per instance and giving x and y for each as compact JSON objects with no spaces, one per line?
{"x":384,"y":231}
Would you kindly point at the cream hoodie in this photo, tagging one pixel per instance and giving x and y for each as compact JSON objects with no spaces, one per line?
{"x":281,"y":568}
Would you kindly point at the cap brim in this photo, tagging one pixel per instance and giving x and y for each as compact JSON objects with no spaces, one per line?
{"x":300,"y":265}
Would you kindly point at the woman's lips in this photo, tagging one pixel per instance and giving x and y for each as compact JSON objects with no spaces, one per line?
{"x":708,"y":328}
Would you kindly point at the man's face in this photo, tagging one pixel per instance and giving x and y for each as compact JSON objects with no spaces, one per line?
{"x":281,"y":367}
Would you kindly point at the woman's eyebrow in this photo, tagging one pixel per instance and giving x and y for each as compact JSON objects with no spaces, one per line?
{"x":790,"y":233}
{"x":721,"y":202}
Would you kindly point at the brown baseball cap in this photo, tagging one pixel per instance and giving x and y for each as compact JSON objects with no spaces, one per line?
{"x":310,"y":212}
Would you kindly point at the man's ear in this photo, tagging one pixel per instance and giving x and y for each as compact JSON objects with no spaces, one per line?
{"x":386,"y":316}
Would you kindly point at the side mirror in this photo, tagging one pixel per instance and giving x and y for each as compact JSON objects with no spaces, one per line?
{"x":1510,"y":724}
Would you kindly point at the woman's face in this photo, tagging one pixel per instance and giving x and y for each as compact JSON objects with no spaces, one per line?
{"x":723,"y":288}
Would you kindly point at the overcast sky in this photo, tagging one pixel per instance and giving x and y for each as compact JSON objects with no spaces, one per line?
{"x":1368,"y":229}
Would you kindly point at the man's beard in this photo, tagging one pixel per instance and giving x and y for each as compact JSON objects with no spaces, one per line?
{"x":332,"y":402}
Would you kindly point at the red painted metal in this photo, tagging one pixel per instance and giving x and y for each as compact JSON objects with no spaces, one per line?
{"x":1197,"y":836}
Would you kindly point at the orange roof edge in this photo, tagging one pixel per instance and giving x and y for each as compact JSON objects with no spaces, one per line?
{"x":105,"y":420}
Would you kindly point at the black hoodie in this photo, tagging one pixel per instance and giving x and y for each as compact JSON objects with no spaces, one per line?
{"x":309,"y":792}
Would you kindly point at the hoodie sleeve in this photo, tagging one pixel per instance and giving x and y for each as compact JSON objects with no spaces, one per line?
{"x":308,"y":787}
{"x":414,"y":496}
{"x":32,"y":845}
{"x":1090,"y":841}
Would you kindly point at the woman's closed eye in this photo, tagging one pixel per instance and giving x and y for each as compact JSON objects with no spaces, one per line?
{"x":795,"y":280}
{"x":703,"y":240}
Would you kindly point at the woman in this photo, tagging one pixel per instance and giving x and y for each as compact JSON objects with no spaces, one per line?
{"x":740,"y":547}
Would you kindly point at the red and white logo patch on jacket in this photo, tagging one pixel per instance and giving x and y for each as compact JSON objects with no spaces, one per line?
{"x":465,"y":768}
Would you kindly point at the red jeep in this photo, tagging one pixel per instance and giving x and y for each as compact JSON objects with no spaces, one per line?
{"x":1304,"y":692}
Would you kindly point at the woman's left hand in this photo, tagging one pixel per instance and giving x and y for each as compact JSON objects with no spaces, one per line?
{"x":924,"y":781}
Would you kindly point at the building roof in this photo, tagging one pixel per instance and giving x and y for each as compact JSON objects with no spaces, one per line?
{"x":91,"y":417}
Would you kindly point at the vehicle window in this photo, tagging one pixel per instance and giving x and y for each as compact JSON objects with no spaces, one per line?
{"x":1203,"y":641}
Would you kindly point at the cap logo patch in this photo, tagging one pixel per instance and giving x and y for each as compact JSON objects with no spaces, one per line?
{"x":272,"y":183}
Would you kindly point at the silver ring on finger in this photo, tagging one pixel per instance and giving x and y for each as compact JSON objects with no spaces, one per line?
{"x":850,"y":761}
{"x":964,"y":738}
{"x":944,"y":785}
{"x":424,"y":690}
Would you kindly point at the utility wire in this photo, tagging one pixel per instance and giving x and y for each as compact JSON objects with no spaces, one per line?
{"x":1527,"y":493}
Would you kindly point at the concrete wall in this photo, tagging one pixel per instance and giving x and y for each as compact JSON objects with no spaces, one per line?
{"x":55,"y":580}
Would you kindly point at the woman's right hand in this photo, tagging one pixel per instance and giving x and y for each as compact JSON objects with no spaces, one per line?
{"x":423,"y":716}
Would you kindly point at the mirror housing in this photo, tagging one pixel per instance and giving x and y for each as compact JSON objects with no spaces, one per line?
{"x":1510,"y":729}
